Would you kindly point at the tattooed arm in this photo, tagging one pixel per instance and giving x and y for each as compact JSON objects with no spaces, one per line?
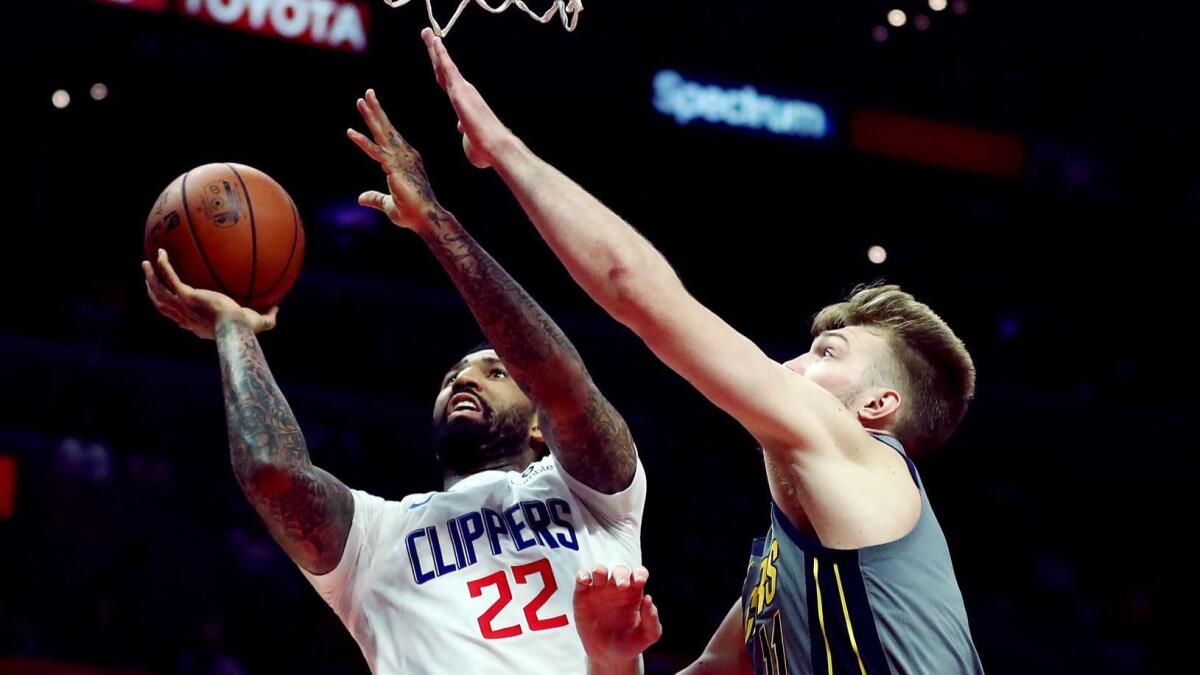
{"x":585,"y":432}
{"x":307,"y":510}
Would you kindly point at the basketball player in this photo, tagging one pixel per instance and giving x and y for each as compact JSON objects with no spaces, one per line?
{"x":854,"y":574}
{"x":476,"y":578}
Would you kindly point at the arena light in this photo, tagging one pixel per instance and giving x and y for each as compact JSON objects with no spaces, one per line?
{"x":897,"y":18}
{"x":877,"y":255}
{"x":60,"y":99}
{"x":937,"y":5}
{"x":742,"y":107}
{"x":933,"y":142}
{"x":99,"y":91}
{"x":8,"y":486}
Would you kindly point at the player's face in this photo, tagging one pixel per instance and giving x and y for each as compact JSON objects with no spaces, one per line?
{"x":840,"y":359}
{"x":478,"y":394}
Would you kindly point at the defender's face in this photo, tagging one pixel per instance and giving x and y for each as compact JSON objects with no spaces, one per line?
{"x":839,"y":360}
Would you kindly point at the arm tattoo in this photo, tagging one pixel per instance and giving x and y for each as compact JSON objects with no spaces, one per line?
{"x":306,"y":509}
{"x":588,"y":435}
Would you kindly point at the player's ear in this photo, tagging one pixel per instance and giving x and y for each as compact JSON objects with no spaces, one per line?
{"x":537,"y":440}
{"x":881,"y":408}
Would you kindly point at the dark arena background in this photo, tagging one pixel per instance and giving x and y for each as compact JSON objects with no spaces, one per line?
{"x":1027,"y":168}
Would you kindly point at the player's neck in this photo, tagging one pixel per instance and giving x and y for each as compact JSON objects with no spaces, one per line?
{"x":517,"y":462}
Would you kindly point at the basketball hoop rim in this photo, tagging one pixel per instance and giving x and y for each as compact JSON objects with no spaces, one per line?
{"x":567,"y":10}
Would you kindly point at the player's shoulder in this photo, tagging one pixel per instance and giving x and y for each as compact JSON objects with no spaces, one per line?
{"x":367,"y":500}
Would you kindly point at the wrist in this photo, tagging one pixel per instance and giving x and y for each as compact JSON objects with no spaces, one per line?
{"x":602,"y":666}
{"x":230,"y":317}
{"x":432,"y":222}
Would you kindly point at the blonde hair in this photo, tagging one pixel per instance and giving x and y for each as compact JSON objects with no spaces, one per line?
{"x":931,"y":367}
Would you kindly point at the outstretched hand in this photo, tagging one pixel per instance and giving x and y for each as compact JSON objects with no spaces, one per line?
{"x":616,"y":620}
{"x":484,"y":136}
{"x":411,"y":203}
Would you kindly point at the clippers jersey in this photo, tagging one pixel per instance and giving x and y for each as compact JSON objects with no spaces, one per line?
{"x":479,"y":578}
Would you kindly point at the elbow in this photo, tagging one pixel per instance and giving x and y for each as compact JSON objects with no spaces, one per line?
{"x":621,"y":285}
{"x":266,"y":479}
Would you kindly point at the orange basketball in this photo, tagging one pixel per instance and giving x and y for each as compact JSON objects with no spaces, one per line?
{"x":229,"y":228}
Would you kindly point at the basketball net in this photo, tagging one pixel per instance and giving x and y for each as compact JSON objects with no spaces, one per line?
{"x":568,"y":11}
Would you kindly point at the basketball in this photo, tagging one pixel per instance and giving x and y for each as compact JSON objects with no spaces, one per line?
{"x":229,"y":228}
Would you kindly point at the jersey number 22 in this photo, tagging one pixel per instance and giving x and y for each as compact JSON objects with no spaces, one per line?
{"x":521,"y":574}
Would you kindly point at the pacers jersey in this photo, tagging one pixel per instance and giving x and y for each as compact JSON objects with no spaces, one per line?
{"x":894,"y":608}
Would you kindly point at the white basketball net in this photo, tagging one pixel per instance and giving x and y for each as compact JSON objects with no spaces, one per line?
{"x":568,"y":11}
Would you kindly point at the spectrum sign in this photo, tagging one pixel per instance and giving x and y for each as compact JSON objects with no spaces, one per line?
{"x":743,"y":107}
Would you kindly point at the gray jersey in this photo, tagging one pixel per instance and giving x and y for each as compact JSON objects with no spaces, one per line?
{"x":894,"y":608}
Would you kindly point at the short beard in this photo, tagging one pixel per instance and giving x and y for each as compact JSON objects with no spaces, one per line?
{"x":466,"y":447}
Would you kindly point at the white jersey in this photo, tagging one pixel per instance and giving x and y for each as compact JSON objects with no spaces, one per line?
{"x":479,"y":578}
